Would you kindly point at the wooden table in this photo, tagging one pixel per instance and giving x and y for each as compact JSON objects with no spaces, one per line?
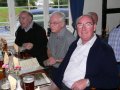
{"x":47,"y":87}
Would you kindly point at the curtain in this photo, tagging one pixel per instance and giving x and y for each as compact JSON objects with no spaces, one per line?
{"x":76,"y":7}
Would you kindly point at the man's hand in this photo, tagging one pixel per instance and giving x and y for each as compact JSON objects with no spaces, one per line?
{"x":51,"y":61}
{"x":80,"y":84}
{"x":28,"y":46}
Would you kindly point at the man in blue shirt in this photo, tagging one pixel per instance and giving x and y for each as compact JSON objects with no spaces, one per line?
{"x":114,"y":41}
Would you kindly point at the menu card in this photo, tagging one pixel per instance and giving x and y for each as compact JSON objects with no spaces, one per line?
{"x":29,"y":65}
{"x":41,"y":79}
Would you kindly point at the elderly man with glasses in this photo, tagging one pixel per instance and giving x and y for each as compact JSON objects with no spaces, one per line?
{"x":88,"y":63}
{"x":59,"y":40}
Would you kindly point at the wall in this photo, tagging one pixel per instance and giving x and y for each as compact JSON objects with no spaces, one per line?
{"x":113,"y":19}
{"x":96,"y":6}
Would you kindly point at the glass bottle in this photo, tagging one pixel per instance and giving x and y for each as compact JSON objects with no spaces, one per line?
{"x":18,"y":87}
{"x":10,"y":65}
{"x":2,"y":70}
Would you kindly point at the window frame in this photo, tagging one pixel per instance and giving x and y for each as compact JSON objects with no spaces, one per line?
{"x":12,"y":16}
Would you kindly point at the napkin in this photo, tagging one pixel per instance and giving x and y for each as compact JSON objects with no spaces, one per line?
{"x":16,"y":47}
{"x":16,"y":61}
{"x":12,"y":81}
{"x":6,"y":58}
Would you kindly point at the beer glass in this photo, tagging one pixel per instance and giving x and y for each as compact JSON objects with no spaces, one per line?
{"x":28,"y":82}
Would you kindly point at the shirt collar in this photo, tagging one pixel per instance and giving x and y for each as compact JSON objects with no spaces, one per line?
{"x":30,"y":26}
{"x":91,"y":41}
{"x":61,"y":33}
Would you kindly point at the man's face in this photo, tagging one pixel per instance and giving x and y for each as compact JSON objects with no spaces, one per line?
{"x":56,"y":24}
{"x":24,"y":20}
{"x":86,"y":28}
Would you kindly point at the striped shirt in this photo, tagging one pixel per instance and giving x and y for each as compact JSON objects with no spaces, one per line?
{"x":114,"y":42}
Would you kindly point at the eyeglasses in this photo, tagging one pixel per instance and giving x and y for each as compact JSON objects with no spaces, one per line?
{"x":87,"y":25}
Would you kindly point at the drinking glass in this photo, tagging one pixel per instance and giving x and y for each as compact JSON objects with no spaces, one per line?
{"x":28,"y":82}
{"x":5,"y":85}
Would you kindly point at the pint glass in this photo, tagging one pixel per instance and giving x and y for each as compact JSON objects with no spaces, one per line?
{"x":28,"y":82}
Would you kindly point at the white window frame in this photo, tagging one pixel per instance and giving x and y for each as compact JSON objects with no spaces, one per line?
{"x":12,"y":16}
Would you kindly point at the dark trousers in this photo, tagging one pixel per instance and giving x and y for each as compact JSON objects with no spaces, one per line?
{"x":50,"y":70}
{"x":118,"y":65}
{"x":64,"y":87}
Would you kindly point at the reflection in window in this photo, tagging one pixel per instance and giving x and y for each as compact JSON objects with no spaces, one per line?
{"x":3,"y":14}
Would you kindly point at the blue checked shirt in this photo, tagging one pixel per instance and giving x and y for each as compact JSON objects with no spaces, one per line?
{"x":114,"y":42}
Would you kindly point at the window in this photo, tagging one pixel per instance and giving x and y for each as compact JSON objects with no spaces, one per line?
{"x":38,"y":8}
{"x":21,"y":5}
{"x":54,"y":5}
{"x":60,"y":5}
{"x":4,"y":20}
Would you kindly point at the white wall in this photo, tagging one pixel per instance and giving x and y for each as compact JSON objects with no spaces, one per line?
{"x":96,"y":6}
{"x":113,"y":19}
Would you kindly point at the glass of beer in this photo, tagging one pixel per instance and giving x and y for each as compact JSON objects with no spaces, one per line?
{"x":1,"y":69}
{"x":28,"y":82}
{"x":1,"y":58}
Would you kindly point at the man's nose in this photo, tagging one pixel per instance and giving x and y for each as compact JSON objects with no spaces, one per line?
{"x":83,"y":27}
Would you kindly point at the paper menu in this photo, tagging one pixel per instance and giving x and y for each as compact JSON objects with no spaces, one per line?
{"x":29,"y":65}
{"x":41,"y":79}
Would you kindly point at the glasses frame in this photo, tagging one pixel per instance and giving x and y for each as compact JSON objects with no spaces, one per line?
{"x":87,"y":25}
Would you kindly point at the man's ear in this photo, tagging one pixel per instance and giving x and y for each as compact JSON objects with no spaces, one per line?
{"x":30,"y":18}
{"x":63,"y":24}
{"x":95,"y":27}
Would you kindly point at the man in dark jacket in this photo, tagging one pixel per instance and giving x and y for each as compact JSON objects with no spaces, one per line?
{"x":89,"y":61}
{"x":30,"y":37}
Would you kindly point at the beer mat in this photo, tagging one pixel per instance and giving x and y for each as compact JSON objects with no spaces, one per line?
{"x":29,"y":65}
{"x":41,"y":79}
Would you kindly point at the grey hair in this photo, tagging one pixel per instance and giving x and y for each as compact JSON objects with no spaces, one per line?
{"x":61,"y":14}
{"x":88,"y":15}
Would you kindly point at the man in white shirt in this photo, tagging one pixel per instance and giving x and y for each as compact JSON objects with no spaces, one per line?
{"x":89,"y":61}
